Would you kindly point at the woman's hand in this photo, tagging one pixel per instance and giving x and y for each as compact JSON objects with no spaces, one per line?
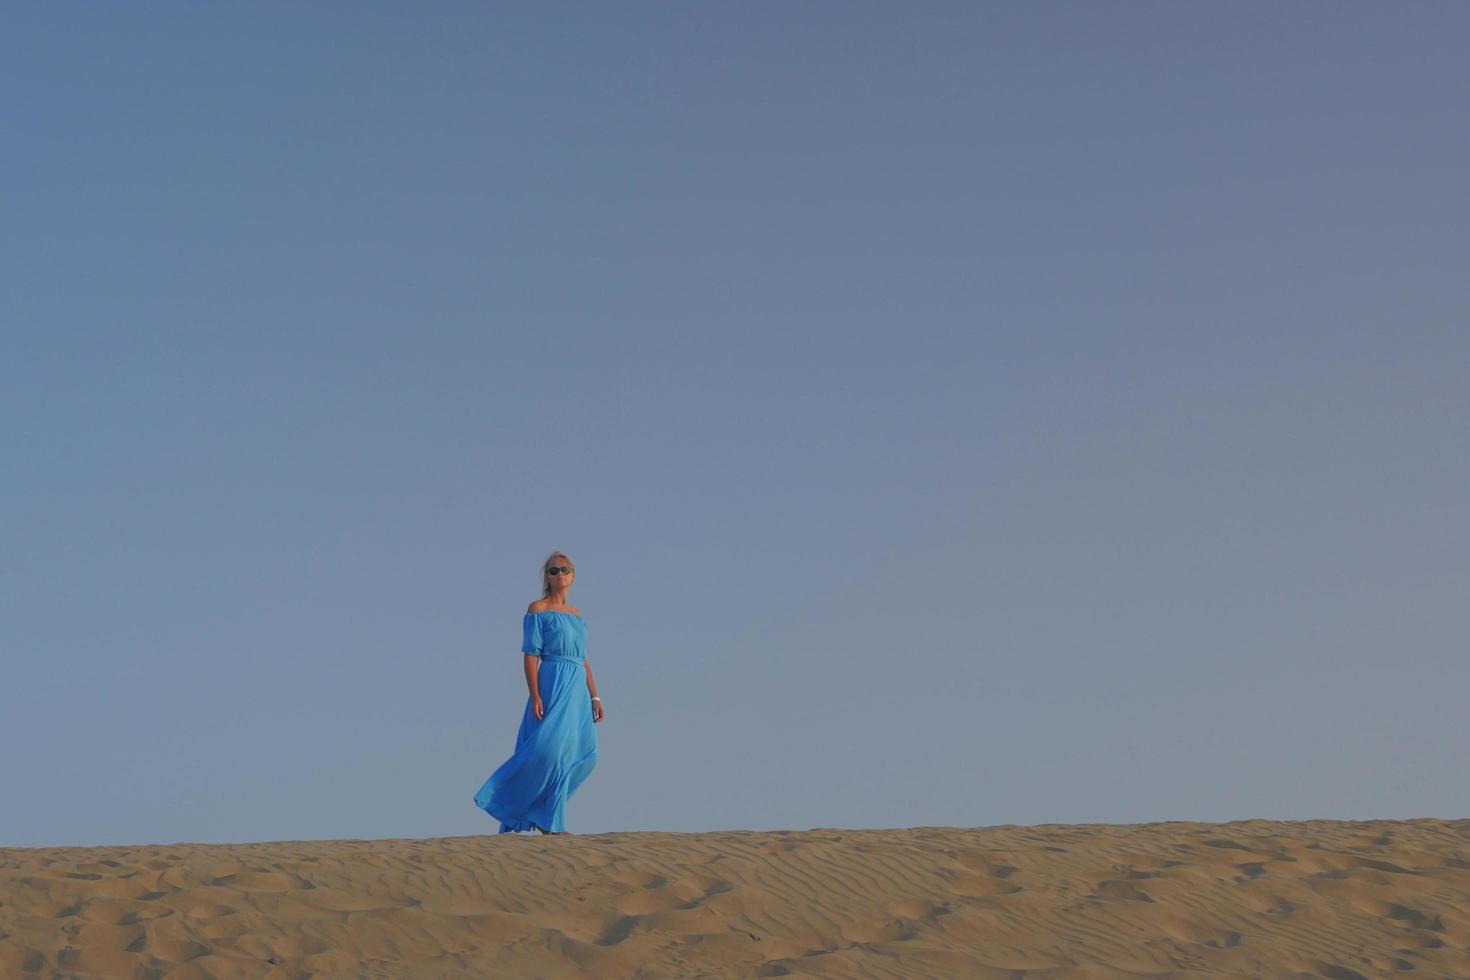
{"x":537,"y":708}
{"x":596,"y":712}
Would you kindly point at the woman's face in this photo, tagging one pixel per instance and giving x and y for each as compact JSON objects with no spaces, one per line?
{"x":565,"y":578}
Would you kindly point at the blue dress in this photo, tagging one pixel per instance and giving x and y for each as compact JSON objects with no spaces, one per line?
{"x":556,"y":752}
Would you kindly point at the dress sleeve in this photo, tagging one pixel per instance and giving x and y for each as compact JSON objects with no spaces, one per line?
{"x":531,"y":634}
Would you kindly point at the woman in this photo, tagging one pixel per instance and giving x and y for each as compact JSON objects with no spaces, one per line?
{"x":556,"y":746}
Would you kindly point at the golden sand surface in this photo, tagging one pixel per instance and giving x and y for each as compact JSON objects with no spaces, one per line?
{"x":1255,"y":898}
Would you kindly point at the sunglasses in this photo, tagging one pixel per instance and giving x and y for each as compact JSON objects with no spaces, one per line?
{"x":559,"y":570}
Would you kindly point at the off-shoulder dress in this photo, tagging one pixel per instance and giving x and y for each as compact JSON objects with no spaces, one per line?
{"x":553,"y":753}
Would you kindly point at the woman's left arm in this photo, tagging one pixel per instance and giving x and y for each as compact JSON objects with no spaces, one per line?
{"x":592,"y":691}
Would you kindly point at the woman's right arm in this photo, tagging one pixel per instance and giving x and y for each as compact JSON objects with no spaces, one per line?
{"x":533,"y":666}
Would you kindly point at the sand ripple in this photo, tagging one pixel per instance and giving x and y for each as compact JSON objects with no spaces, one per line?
{"x":1330,"y":899}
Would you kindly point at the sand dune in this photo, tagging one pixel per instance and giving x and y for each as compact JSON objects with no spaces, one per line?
{"x":1333,"y":899}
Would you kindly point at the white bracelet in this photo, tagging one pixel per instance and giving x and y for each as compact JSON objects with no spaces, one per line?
{"x":596,"y":698}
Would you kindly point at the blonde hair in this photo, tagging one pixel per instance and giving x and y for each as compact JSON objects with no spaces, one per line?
{"x":566,"y":559}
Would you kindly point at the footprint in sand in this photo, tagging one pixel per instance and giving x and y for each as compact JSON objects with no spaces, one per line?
{"x":262,"y":881}
{"x":1251,"y":870}
{"x":1124,"y":890}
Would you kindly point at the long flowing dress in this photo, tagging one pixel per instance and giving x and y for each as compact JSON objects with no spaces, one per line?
{"x":556,"y":752}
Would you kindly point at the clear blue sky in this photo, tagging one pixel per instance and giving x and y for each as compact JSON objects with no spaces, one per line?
{"x":959,"y":414}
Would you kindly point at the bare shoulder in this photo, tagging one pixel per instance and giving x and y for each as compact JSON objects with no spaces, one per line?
{"x":544,"y":605}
